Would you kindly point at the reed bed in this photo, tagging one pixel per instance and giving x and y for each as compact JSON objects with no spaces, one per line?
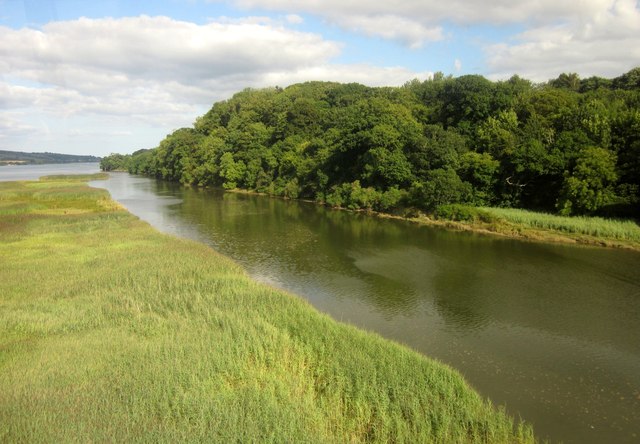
{"x":627,"y":230}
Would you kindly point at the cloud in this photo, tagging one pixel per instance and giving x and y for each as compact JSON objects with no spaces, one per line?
{"x":361,"y":73}
{"x":463,"y":12}
{"x":393,"y":27}
{"x":606,"y":44}
{"x":591,"y":37}
{"x":294,"y":19}
{"x":157,"y":71}
{"x":457,"y":65}
{"x":154,"y":49}
{"x":12,"y":125}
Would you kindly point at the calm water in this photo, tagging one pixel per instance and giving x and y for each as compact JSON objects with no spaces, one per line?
{"x":34,"y":172}
{"x":552,"y":332}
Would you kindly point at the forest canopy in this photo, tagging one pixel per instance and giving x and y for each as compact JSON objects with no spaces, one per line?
{"x":569,"y":145}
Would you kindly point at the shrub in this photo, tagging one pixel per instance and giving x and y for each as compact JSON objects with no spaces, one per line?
{"x":456,"y":212}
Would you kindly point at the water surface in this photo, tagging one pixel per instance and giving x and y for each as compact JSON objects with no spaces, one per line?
{"x":34,"y":172}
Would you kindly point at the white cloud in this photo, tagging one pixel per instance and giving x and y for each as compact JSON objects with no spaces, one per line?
{"x":12,"y":125}
{"x":599,"y":37}
{"x":435,"y":11}
{"x":155,"y":48}
{"x":393,"y":27}
{"x":606,"y":44}
{"x":457,"y":65}
{"x":362,"y":73}
{"x":294,"y":19}
{"x":155,"y":71}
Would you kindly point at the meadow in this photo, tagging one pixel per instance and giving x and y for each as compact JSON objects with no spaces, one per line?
{"x":111,"y":331}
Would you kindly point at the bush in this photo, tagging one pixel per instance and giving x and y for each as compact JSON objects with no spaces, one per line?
{"x":456,"y":212}
{"x":464,"y":213}
{"x":442,"y":187}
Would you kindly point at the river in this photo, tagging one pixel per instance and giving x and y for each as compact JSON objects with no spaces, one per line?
{"x":550,"y":331}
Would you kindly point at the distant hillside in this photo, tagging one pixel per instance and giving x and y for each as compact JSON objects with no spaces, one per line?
{"x":16,"y":158}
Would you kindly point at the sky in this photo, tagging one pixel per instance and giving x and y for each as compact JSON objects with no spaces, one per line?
{"x":97,"y":77}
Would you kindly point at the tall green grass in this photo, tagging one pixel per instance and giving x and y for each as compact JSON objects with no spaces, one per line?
{"x":62,"y":178}
{"x":113,"y":332}
{"x":592,"y":226}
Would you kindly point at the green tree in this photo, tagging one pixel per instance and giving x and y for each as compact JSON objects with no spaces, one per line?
{"x":589,"y":186}
{"x":467,"y":101}
{"x":629,"y":80}
{"x":465,"y":139}
{"x":481,"y":171}
{"x":443,"y":186}
{"x":115,"y":162}
{"x":499,"y":135}
{"x":438,"y":148}
{"x":569,"y":81}
{"x":175,"y":151}
{"x":231,"y":171}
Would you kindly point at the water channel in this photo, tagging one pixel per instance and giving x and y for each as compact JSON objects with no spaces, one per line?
{"x":550,"y":331}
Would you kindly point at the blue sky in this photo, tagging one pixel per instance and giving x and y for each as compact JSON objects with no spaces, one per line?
{"x":94,"y":77}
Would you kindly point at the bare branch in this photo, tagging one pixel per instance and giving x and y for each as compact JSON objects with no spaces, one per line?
{"x":517,"y":184}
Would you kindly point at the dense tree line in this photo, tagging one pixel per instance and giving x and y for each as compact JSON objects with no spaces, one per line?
{"x":42,"y":158}
{"x":570,"y":145}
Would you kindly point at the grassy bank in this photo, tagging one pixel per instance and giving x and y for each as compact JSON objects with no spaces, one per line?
{"x":539,"y":226}
{"x":111,"y":331}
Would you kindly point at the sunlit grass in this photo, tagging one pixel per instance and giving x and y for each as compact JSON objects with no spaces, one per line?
{"x":591,"y":226}
{"x":111,"y":331}
{"x":62,"y":178}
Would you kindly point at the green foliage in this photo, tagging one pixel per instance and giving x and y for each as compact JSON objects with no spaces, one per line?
{"x":480,"y":170}
{"x":128,"y":335}
{"x":445,"y":140}
{"x":463,"y":213}
{"x":438,"y":148}
{"x":567,"y":81}
{"x":467,"y":100}
{"x":441,"y":187}
{"x":115,"y":162}
{"x":589,"y":186}
{"x":231,"y":171}
{"x":499,"y":135}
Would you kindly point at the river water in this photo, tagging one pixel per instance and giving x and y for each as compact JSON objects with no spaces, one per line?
{"x":550,"y":331}
{"x":34,"y":172}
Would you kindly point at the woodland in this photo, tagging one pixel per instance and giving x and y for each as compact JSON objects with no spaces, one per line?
{"x":569,"y":146}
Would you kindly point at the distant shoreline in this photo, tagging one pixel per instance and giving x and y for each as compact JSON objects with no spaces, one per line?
{"x":26,"y":162}
{"x":14,"y":162}
{"x":45,"y":158}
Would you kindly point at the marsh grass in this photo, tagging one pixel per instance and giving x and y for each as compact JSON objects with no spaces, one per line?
{"x":62,"y":178}
{"x":111,"y":331}
{"x":626,"y":230}
{"x":542,"y":226}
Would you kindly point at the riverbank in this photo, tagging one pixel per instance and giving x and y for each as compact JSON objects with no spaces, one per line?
{"x":538,"y":227}
{"x":111,"y":331}
{"x":517,"y":224}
